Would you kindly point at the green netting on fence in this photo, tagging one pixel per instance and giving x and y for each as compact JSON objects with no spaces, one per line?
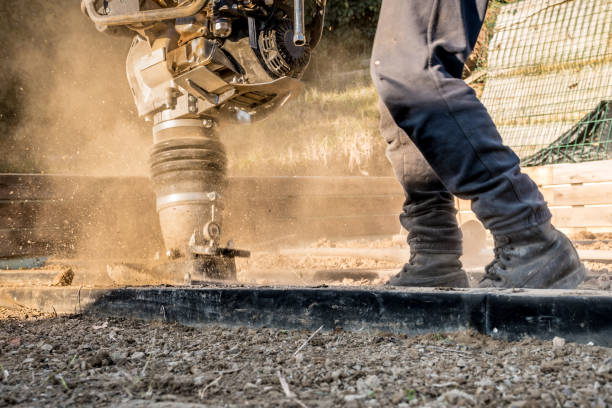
{"x":549,"y":67}
{"x":590,"y":139}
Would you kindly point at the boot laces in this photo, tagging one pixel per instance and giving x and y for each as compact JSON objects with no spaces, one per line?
{"x":500,"y":260}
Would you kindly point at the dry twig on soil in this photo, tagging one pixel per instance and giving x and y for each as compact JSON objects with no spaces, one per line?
{"x":307,"y":341}
{"x":288,"y":393}
{"x":450,"y":350}
{"x":285,"y":385}
{"x":202,"y":392}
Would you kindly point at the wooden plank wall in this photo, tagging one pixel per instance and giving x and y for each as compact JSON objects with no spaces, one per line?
{"x":579,"y":195}
{"x":271,"y":208}
{"x":115,"y":217}
{"x":100,"y":217}
{"x":67,"y":215}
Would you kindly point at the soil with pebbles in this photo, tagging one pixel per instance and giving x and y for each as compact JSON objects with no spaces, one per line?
{"x":87,"y":361}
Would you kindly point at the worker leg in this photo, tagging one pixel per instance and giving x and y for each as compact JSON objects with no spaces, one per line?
{"x":429,"y":215}
{"x":417,"y":61}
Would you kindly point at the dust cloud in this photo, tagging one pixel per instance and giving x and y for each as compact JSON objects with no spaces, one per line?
{"x":68,"y":107}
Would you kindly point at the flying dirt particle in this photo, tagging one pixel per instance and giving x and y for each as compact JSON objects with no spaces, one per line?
{"x":63,"y":278}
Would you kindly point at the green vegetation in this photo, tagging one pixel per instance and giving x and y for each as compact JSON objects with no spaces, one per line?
{"x":410,"y":394}
{"x":328,"y":130}
{"x":352,"y":18}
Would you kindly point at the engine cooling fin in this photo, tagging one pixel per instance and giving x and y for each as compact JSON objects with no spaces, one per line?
{"x":279,"y":55}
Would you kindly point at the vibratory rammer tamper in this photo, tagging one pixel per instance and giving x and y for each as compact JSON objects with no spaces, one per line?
{"x":193,"y":65}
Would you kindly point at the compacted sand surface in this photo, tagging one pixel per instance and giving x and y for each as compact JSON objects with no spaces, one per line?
{"x":87,"y":361}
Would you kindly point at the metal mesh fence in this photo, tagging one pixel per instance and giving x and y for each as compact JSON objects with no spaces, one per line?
{"x":590,"y":139}
{"x":549,"y":79}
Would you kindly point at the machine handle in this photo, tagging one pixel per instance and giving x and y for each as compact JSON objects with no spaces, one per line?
{"x":146,"y":16}
{"x":299,"y":38}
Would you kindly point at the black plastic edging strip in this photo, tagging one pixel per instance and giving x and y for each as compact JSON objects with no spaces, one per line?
{"x":581,"y":319}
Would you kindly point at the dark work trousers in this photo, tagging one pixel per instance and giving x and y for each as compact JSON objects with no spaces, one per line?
{"x":442,"y":141}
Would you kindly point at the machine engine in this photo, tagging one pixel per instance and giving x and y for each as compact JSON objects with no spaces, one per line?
{"x":239,"y":58}
{"x":195,"y":64}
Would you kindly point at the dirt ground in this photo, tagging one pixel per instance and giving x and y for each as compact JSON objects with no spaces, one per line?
{"x":295,"y":268}
{"x":358,"y":262}
{"x":47,"y":360}
{"x":87,"y":361}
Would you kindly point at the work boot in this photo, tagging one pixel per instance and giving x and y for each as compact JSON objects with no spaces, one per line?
{"x":537,"y":257}
{"x":432,"y":270}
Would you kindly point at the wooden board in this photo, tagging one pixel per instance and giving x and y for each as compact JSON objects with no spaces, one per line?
{"x":581,"y":216}
{"x":571,"y":173}
{"x":595,"y":255}
{"x":568,"y":195}
{"x":586,"y":188}
{"x":315,"y":206}
{"x":579,"y":195}
{"x":41,"y":187}
{"x":309,"y":228}
{"x":274,"y":187}
{"x":574,"y":217}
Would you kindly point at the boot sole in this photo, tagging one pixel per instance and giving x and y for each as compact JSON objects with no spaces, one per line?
{"x":455,"y":280}
{"x":569,"y":281}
